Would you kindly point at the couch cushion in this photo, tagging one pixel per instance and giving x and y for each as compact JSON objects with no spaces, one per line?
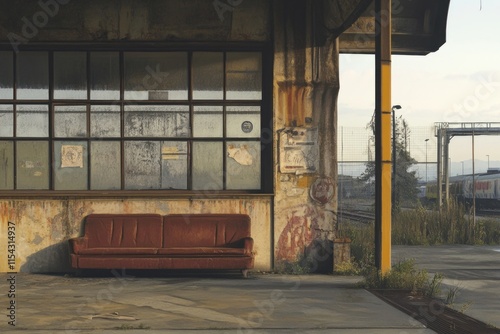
{"x":205,"y":230}
{"x":202,"y":251}
{"x":119,"y":251}
{"x":124,"y":230}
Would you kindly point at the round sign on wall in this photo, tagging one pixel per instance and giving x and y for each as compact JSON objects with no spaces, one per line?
{"x":321,"y":190}
{"x":247,"y":126}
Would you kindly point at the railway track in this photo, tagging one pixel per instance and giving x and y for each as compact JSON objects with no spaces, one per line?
{"x":359,"y":216}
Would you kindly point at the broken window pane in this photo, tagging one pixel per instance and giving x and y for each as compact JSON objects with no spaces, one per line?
{"x":208,"y":75}
{"x":207,"y":166}
{"x":243,"y":122}
{"x":32,"y":75}
{"x":244,"y":76}
{"x":243,"y":165}
{"x":142,"y":165}
{"x":6,"y":75}
{"x":32,"y":165}
{"x":70,"y":75}
{"x":32,"y":120}
{"x":105,"y":165}
{"x":207,"y":121}
{"x":70,"y":165}
{"x":6,"y":120}
{"x":70,"y":121}
{"x":105,"y":121}
{"x":156,"y":121}
{"x":156,"y":76}
{"x":104,"y":76}
{"x":6,"y":165}
{"x":174,"y":165}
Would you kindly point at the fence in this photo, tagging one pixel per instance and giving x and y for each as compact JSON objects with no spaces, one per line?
{"x":356,"y":147}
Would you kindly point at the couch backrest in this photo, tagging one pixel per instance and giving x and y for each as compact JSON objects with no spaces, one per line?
{"x":124,"y":230}
{"x":205,"y":230}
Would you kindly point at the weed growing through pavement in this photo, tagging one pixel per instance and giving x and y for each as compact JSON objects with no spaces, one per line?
{"x":403,"y":275}
{"x":433,"y":288}
{"x":452,"y":295}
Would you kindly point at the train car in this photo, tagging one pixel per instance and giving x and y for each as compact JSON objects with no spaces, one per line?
{"x":487,"y":189}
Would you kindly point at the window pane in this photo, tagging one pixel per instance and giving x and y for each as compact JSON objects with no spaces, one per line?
{"x":142,"y":165}
{"x":174,"y":165}
{"x":32,"y":75}
{"x":32,"y":166}
{"x":6,"y":75}
{"x":32,"y":121}
{"x":6,"y":165}
{"x":156,"y":76}
{"x":70,"y":75}
{"x":70,"y":121}
{"x":243,"y":165}
{"x":104,"y":76}
{"x":70,"y":169}
{"x":207,"y":166}
{"x":156,"y":121}
{"x":105,"y":165}
{"x":243,"y":121}
{"x":207,"y":121}
{"x":244,"y":76}
{"x":6,"y":120}
{"x":105,"y":121}
{"x":208,"y":75}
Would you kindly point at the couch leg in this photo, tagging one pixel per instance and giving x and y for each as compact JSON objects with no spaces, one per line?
{"x":245,"y":273}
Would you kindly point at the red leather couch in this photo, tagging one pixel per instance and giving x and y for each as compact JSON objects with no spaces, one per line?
{"x":152,"y":241}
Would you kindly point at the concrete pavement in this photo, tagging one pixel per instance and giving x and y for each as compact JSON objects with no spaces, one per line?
{"x":474,"y":270}
{"x":157,"y":302}
{"x":199,"y":304}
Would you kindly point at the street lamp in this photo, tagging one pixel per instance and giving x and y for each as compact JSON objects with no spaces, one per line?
{"x":393,"y":109}
{"x":462,"y":167}
{"x":426,"y":159}
{"x":488,"y":162}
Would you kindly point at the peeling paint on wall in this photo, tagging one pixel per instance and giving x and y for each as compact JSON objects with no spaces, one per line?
{"x":240,"y":154}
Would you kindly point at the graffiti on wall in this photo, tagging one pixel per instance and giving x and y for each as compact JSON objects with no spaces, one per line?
{"x":301,"y":229}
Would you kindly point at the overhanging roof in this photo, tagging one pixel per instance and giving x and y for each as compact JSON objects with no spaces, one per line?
{"x":418,"y":27}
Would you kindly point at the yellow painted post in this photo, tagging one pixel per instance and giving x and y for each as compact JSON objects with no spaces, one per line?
{"x":383,"y":161}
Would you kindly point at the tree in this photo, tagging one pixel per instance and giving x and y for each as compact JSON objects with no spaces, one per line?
{"x":405,"y":188}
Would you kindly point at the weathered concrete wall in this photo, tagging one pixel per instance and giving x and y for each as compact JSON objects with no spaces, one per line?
{"x":305,"y":94}
{"x":27,"y":21}
{"x":43,"y":227}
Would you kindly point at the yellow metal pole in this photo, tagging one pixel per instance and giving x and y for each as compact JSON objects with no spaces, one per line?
{"x":383,"y":161}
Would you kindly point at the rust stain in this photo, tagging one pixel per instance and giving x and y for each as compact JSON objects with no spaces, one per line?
{"x":294,"y":102}
{"x":304,"y":181}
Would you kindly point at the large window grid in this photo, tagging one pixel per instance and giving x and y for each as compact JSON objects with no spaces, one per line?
{"x":91,"y":121}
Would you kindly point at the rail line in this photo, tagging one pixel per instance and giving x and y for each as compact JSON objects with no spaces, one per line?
{"x":363,"y":217}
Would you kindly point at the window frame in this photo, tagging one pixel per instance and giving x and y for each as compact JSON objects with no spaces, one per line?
{"x":265,"y":104}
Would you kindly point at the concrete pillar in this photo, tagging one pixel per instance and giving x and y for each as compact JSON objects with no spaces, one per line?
{"x":306,"y":87}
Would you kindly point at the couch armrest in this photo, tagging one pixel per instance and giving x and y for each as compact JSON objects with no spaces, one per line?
{"x":77,"y":244}
{"x":248,"y":245}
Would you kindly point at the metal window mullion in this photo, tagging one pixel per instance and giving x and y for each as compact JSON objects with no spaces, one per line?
{"x":122,"y":118}
{"x":191,"y":122}
{"x":51,"y":121}
{"x":14,"y":116}
{"x":224,"y":127}
{"x":89,"y":151}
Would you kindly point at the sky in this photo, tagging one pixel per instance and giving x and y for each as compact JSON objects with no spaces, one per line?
{"x":458,"y":83}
